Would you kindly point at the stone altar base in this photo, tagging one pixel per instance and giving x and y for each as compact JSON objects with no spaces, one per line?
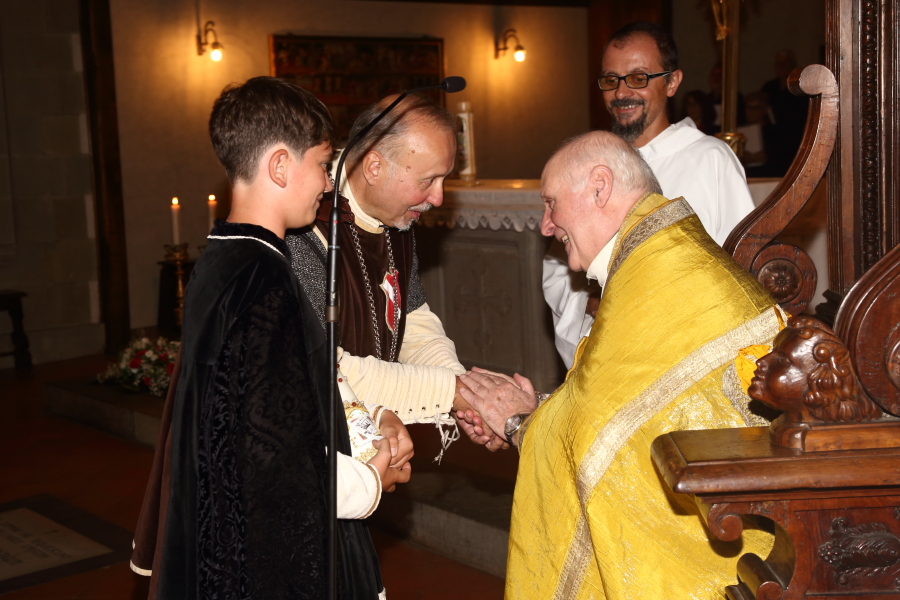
{"x":445,"y":508}
{"x":108,"y":408}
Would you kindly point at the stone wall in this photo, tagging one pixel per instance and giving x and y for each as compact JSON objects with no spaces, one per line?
{"x":47,"y":246}
{"x":165,"y":91}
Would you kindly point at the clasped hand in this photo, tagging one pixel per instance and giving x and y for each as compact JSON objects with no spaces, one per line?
{"x":488,"y":400}
{"x":394,"y":451}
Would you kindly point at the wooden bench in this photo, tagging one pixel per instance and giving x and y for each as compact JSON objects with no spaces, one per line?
{"x":828,"y":485}
{"x":11,"y":302}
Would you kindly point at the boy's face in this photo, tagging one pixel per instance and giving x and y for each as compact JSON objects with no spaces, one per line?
{"x":309,"y":181}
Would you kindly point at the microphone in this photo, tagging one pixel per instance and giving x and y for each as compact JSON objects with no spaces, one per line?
{"x":450,"y":85}
{"x":453,"y":84}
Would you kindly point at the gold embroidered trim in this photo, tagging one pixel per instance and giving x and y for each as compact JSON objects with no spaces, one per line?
{"x":731,"y":387}
{"x":377,"y":493}
{"x":575,"y":564}
{"x":377,"y":414}
{"x":621,"y":233}
{"x":641,"y":409}
{"x":659,"y":219}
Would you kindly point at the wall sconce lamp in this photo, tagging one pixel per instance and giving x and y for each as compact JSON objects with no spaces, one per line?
{"x":502,"y":46}
{"x":203,"y":40}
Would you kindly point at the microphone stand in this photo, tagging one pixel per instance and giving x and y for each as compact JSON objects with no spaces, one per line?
{"x":332,"y":317}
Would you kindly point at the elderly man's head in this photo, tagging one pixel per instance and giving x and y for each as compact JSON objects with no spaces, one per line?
{"x":588,"y":187}
{"x":398,"y":168}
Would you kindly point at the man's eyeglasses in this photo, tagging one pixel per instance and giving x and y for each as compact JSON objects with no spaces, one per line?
{"x":635,"y":81}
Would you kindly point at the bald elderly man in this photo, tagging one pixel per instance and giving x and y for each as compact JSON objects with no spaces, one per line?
{"x":591,"y":518}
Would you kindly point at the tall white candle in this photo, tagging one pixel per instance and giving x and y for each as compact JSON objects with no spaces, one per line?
{"x":465,"y":138}
{"x":212,"y":211}
{"x":176,"y":222}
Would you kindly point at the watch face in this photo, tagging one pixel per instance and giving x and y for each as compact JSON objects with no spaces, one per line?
{"x":512,"y":424}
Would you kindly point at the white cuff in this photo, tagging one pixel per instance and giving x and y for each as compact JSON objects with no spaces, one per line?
{"x":358,"y":488}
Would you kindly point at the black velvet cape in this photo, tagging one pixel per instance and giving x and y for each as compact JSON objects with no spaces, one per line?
{"x":246,"y":511}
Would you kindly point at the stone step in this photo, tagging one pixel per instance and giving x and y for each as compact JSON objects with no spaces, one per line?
{"x":454,"y":512}
{"x":108,"y":408}
{"x":447,"y":509}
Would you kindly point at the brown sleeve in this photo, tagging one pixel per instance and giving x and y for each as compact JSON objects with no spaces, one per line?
{"x":151,"y":523}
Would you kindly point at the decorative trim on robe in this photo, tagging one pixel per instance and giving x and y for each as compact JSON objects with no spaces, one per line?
{"x":635,"y":413}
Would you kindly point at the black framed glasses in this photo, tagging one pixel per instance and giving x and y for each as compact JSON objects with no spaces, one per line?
{"x":635,"y":81}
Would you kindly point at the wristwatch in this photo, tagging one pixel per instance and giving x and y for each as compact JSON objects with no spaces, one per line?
{"x":512,"y":426}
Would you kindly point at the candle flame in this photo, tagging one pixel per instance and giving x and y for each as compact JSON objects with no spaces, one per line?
{"x":175,"y":201}
{"x":212,"y":198}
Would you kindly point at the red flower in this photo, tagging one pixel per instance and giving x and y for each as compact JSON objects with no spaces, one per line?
{"x":164,"y":356}
{"x":170,"y":367}
{"x":140,"y":353}
{"x":135,"y":363}
{"x":146,"y":381}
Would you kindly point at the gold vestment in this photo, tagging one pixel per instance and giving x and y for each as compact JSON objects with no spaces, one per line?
{"x":591,"y":516}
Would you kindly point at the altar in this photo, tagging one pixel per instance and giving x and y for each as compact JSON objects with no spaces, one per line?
{"x":480,"y":261}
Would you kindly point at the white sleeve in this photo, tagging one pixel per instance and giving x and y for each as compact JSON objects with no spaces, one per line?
{"x":416,"y":393}
{"x":425,"y":343}
{"x":734,"y":201}
{"x":419,"y":387}
{"x":358,"y":488}
{"x":566,"y":293}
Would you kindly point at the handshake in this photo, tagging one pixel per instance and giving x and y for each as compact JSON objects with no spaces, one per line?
{"x":486,"y":402}
{"x":483,"y":407}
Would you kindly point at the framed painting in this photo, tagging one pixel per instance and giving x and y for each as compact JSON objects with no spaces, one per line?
{"x":347,"y":74}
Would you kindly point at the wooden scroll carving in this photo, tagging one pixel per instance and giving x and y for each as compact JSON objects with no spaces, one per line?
{"x":866,"y":550}
{"x":869,"y":320}
{"x":809,"y":375}
{"x":786,"y":271}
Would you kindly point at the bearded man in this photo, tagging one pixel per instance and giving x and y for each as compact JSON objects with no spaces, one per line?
{"x":640,"y":73}
{"x":591,"y":517}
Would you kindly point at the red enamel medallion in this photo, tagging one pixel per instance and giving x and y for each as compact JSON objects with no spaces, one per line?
{"x":390,"y":285}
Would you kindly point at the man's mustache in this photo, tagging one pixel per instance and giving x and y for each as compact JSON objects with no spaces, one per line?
{"x":627,"y":103}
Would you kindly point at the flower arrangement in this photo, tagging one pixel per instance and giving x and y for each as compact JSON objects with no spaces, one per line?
{"x":144,"y":366}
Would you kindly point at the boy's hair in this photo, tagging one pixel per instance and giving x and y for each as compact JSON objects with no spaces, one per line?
{"x":248,"y":119}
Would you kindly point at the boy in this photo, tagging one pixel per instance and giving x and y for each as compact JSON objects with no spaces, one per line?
{"x":245,"y":513}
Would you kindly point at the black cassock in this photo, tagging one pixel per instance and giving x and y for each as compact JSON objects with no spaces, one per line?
{"x":246,"y":512}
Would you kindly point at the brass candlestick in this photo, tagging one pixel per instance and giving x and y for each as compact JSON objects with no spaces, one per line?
{"x":735,"y":141}
{"x":177,"y":254}
{"x":728,"y":26}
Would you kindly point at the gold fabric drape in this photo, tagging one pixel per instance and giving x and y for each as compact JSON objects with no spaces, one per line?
{"x":591,"y":517}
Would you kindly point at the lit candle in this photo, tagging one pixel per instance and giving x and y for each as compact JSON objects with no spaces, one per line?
{"x":176,"y":222}
{"x":212,"y":211}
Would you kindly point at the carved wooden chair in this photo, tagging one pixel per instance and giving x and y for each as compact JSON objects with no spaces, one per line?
{"x":831,"y":486}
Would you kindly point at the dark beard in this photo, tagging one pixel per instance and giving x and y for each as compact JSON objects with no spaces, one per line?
{"x":628,"y":131}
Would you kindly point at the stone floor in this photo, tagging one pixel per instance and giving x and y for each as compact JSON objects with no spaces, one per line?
{"x":105,"y":475}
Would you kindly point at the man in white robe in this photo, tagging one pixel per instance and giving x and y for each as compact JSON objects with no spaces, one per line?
{"x":700,"y":168}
